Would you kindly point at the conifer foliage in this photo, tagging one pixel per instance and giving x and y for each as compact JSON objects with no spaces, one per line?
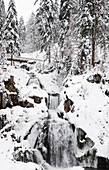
{"x":30,"y":34}
{"x":11,"y":31}
{"x":2,"y":20}
{"x":22,"y":34}
{"x":46,"y":22}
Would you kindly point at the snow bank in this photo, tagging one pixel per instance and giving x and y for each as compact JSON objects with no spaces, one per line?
{"x":91,"y":110}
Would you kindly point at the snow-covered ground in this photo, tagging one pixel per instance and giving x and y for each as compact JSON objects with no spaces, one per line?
{"x":91,"y":112}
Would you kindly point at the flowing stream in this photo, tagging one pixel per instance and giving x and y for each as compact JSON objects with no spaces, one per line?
{"x":53,"y":100}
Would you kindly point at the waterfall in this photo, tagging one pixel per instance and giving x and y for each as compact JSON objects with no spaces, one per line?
{"x":57,"y":139}
{"x":54,"y":137}
{"x":53,"y":100}
{"x":61,"y":144}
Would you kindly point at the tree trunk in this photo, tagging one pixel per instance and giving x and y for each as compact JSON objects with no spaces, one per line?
{"x":93,"y":47}
{"x":94,"y":32}
{"x":49,"y":54}
{"x":11,"y":59}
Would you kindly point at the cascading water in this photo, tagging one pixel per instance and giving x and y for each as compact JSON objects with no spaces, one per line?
{"x":54,"y":137}
{"x":58,"y":139}
{"x":61,"y":144}
{"x":53,"y":100}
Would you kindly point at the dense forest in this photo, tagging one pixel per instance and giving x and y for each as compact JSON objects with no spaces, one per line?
{"x":72,"y":32}
{"x":54,"y":86}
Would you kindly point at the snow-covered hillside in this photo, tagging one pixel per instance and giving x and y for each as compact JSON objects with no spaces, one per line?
{"x":91,"y":110}
{"x":24,"y":126}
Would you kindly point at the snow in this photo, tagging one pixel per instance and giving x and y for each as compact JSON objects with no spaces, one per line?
{"x":74,"y":168}
{"x":34,"y":55}
{"x":10,"y":165}
{"x":91,"y":111}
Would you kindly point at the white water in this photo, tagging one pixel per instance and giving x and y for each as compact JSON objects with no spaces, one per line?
{"x":53,"y":101}
{"x":74,"y":168}
{"x":61,"y":144}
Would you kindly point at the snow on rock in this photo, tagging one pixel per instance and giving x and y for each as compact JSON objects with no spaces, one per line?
{"x":10,"y":165}
{"x":74,"y":168}
{"x":91,"y":110}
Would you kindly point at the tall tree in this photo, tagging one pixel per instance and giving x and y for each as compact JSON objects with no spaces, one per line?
{"x":102,"y":22}
{"x":30,"y":34}
{"x":46,"y":23}
{"x":67,"y":17}
{"x":11,"y":31}
{"x":66,"y":9}
{"x":91,"y":30}
{"x":22,"y":34}
{"x":2,"y":21}
{"x":84,"y":31}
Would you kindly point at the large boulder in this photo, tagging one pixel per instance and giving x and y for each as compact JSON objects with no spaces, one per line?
{"x":3,"y":121}
{"x":68,"y":103}
{"x":26,"y":104}
{"x":96,"y":78}
{"x":36,"y":99}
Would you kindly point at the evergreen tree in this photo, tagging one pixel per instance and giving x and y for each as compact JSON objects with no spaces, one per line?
{"x":46,"y":23}
{"x":67,"y":8}
{"x":11,"y":31}
{"x":30,"y":34}
{"x":22,"y":34}
{"x":91,"y":30}
{"x":67,"y":17}
{"x":102,"y":22}
{"x":84,"y":29}
{"x":2,"y":21}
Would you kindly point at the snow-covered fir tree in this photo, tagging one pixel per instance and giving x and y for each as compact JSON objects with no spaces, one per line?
{"x":84,"y":31}
{"x":102,"y":25}
{"x":66,"y":7}
{"x":91,"y":30}
{"x":2,"y":21}
{"x":67,"y":17}
{"x":30,"y":34}
{"x":22,"y":34}
{"x":46,"y":24}
{"x":11,"y":31}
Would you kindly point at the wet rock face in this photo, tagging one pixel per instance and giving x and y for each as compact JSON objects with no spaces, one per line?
{"x":68,"y":105}
{"x":94,"y":78}
{"x":107,"y":93}
{"x":103,"y":162}
{"x":9,"y":97}
{"x":82,"y":140}
{"x":9,"y":85}
{"x":37,"y":99}
{"x":3,"y":121}
{"x":26,"y":156}
{"x":86,"y":146}
{"x":25,"y":104}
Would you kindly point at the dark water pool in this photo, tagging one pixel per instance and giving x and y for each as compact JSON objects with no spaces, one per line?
{"x":96,"y":169}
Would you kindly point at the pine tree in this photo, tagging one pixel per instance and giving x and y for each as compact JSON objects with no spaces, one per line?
{"x":30,"y":34}
{"x":91,"y":30}
{"x":22,"y":34}
{"x":102,"y":30}
{"x":67,"y":17}
{"x":67,"y":8}
{"x":11,"y":31}
{"x":46,"y":23}
{"x":84,"y":31}
{"x":2,"y":21}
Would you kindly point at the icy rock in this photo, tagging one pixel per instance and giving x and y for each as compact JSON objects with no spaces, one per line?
{"x":96,"y":78}
{"x":103,"y":163}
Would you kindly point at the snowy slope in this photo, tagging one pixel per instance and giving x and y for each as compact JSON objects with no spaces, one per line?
{"x":91,"y":110}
